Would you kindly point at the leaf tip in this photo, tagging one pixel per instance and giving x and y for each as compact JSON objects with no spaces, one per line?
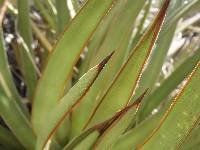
{"x":104,"y":61}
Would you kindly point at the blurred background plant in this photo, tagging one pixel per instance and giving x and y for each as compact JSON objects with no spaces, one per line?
{"x":32,"y":30}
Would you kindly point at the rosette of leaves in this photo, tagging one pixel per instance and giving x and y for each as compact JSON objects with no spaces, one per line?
{"x":90,"y":81}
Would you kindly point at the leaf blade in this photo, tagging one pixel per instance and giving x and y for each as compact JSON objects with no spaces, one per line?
{"x":184,"y":112}
{"x":127,"y":78}
{"x":68,"y":104}
{"x":49,"y":89}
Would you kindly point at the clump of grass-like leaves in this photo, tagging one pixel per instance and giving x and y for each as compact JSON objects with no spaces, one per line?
{"x":103,"y":79}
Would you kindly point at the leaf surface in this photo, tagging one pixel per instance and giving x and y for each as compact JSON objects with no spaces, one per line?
{"x":64,"y":56}
{"x":126,"y":81}
{"x":184,"y":113}
{"x":68,"y":103}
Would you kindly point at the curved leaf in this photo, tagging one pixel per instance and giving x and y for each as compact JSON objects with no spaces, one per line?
{"x":103,"y":80}
{"x":138,"y":134}
{"x":87,"y":139}
{"x":63,"y":15}
{"x":47,"y":17}
{"x":8,"y":140}
{"x":62,"y":59}
{"x":180,"y":119}
{"x":7,"y":77}
{"x":126,"y":81}
{"x":121,"y":24}
{"x":118,"y":126}
{"x":16,"y":121}
{"x":99,"y":37}
{"x":25,"y":63}
{"x":154,"y":66}
{"x":68,"y":103}
{"x":154,"y":99}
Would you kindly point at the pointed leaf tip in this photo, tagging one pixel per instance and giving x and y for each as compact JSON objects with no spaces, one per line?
{"x":139,"y":99}
{"x":104,"y":61}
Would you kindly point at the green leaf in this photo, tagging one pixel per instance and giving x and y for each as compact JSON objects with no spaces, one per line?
{"x":169,"y":85}
{"x":47,"y":17}
{"x":99,"y":37}
{"x":26,"y":64}
{"x":193,"y":141}
{"x":41,"y":37}
{"x":140,"y":27}
{"x":84,"y":141}
{"x":156,"y":61}
{"x":113,"y":66}
{"x":16,"y":121}
{"x":63,"y":15}
{"x":180,"y":119}
{"x":103,"y":80}
{"x":7,"y":77}
{"x":87,"y":142}
{"x":139,"y":133}
{"x":67,"y":50}
{"x":135,"y":136}
{"x":24,"y":22}
{"x":118,"y":126}
{"x":125,"y":82}
{"x":87,"y":139}
{"x":8,"y":140}
{"x":120,"y":26}
{"x":68,"y":103}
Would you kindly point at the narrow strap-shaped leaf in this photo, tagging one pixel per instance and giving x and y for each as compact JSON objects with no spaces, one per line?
{"x":8,"y":140}
{"x":184,"y":112}
{"x":16,"y":121}
{"x":135,"y":136}
{"x":154,"y":99}
{"x":68,"y":103}
{"x":85,"y":141}
{"x":51,"y":8}
{"x":102,"y":83}
{"x":140,"y":27}
{"x":7,"y":77}
{"x":63,"y":15}
{"x":118,"y":126}
{"x":67,"y":50}
{"x":139,"y":133}
{"x":154,"y":66}
{"x":26,"y":65}
{"x":24,"y":22}
{"x":120,"y":25}
{"x":99,"y":37}
{"x":41,"y":37}
{"x":47,"y":17}
{"x":88,"y":138}
{"x":125,"y":82}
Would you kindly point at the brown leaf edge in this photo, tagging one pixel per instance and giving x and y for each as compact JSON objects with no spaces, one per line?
{"x":100,"y":66}
{"x":101,"y":127}
{"x":170,"y":108}
{"x":155,"y":26}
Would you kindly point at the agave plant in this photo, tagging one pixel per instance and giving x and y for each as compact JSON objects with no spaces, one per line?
{"x":91,"y":75}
